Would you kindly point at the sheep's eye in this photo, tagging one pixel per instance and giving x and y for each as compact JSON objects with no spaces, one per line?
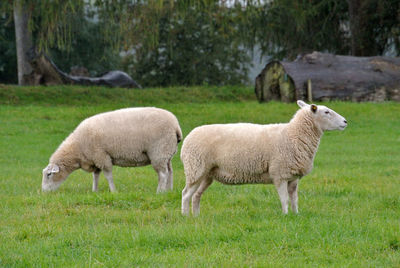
{"x":326,"y":112}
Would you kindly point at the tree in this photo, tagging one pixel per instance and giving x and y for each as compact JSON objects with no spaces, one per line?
{"x":286,"y":28}
{"x":283,"y":28}
{"x":8,"y":58}
{"x":88,"y":48}
{"x":50,"y":21}
{"x":374,"y":26}
{"x":194,"y":47}
{"x":23,"y":40}
{"x":127,"y":25}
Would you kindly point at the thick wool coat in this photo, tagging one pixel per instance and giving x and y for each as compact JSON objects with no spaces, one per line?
{"x":250,"y":153}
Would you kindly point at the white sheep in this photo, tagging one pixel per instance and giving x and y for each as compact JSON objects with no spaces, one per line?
{"x":244,"y":153}
{"x":128,"y":137}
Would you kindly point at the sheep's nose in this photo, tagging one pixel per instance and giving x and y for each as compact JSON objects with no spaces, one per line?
{"x":345,"y":121}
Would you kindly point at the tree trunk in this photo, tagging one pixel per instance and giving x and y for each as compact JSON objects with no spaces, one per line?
{"x":330,"y":77}
{"x":355,"y":30}
{"x":23,"y":42}
{"x":362,"y":17}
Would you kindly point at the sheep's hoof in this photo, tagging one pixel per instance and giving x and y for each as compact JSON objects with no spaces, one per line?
{"x":185,"y":213}
{"x":160,"y":191}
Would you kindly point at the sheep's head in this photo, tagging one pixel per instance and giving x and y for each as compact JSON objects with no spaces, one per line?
{"x":53,"y":176}
{"x":326,"y":118}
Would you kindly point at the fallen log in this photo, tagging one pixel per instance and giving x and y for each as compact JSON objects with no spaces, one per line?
{"x":323,"y":77}
{"x":45,"y":72}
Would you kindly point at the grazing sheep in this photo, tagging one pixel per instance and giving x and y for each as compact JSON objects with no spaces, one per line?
{"x":248,"y":153}
{"x":128,"y":137}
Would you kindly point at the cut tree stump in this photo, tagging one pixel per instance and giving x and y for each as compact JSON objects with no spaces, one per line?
{"x":45,"y":72}
{"x":330,"y":77}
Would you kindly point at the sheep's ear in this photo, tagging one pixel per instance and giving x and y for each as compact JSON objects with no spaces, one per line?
{"x":301,"y":103}
{"x":314,"y":108}
{"x":55,"y":169}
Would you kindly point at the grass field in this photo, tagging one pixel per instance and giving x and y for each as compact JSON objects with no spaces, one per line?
{"x":349,"y":205}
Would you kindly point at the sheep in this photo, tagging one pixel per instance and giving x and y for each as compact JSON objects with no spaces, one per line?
{"x":244,"y":153}
{"x":127,"y":137}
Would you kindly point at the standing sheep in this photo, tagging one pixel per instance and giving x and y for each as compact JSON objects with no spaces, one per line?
{"x":128,"y":137}
{"x":248,"y":153}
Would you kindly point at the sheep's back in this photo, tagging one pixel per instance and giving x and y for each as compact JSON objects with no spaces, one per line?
{"x":230,"y":136}
{"x":127,"y":130}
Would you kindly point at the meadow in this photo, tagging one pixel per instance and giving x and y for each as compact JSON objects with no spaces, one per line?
{"x":349,"y":206}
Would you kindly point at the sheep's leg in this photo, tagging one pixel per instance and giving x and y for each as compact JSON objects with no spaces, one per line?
{"x":197,"y":195}
{"x":282,"y":188}
{"x":163,"y":176}
{"x":96,"y":175}
{"x":162,"y":169}
{"x":170,"y":182}
{"x":292,"y":188}
{"x":109,"y":177}
{"x":187,"y":194}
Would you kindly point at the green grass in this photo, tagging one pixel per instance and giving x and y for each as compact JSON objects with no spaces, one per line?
{"x":80,"y":95}
{"x":349,"y":205}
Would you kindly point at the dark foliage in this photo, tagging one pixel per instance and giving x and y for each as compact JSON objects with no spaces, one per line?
{"x":375,"y":27}
{"x":8,"y":58}
{"x":193,"y":49}
{"x":286,"y":28}
{"x":197,"y":42}
{"x":88,"y":49}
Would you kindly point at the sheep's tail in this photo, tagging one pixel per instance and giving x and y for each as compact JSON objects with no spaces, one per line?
{"x":179,"y":134}
{"x":194,"y":165}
